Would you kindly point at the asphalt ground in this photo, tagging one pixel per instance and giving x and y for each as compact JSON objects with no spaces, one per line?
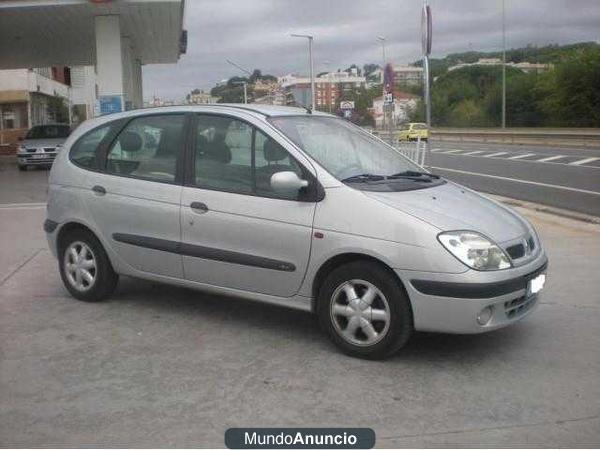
{"x":158,"y":366}
{"x":556,"y":176}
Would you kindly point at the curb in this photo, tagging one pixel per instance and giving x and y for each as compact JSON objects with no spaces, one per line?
{"x":581,"y":217}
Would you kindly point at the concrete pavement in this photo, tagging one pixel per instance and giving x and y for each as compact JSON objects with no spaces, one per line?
{"x":158,"y":366}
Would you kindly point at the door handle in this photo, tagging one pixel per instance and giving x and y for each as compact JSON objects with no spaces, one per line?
{"x":99,"y":190}
{"x":199,"y":207}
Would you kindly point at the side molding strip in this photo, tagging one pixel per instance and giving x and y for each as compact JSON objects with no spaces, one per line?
{"x":199,"y":251}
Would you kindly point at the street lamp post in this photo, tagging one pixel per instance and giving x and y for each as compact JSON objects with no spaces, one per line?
{"x":382,"y":40}
{"x":245,"y":89}
{"x":241,"y":82}
{"x":503,"y":66}
{"x":312,"y":76}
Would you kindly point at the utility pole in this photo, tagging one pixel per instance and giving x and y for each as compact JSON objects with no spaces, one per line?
{"x":312,"y":75}
{"x":241,"y":82}
{"x":503,"y":65}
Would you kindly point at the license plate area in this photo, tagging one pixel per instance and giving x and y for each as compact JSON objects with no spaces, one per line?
{"x":536,"y":284}
{"x":38,"y":156}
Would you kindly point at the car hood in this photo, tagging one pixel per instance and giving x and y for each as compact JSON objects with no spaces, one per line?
{"x":42,"y":142}
{"x":452,"y":207}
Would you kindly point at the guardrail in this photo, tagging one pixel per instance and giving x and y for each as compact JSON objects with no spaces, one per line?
{"x":573,"y":137}
{"x":579,"y":137}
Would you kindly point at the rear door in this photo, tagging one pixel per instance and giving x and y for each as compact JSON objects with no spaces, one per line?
{"x":135,"y":199}
{"x":236,"y":232}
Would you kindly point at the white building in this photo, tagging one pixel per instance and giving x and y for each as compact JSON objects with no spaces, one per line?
{"x":524,"y":66}
{"x":25,"y":95}
{"x":404,"y":104}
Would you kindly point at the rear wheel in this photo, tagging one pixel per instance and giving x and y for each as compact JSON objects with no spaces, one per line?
{"x":364,"y":310}
{"x":85,"y":268}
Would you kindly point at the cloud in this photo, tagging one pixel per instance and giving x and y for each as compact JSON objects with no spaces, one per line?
{"x":256,"y":34}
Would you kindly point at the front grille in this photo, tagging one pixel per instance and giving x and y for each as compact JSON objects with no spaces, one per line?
{"x":516,"y":251}
{"x":31,"y":150}
{"x":519,"y":306}
{"x":49,"y":149}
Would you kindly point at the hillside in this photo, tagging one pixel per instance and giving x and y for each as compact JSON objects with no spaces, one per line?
{"x":547,"y":54}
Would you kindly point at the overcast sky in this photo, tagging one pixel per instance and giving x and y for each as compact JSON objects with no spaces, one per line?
{"x":255,"y":34}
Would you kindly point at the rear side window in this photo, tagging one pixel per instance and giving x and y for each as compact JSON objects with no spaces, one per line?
{"x":148,"y":147}
{"x":83,"y":153}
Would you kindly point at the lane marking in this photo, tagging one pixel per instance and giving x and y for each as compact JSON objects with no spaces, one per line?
{"x":473,"y":153}
{"x":583,"y":161}
{"x":22,"y":205}
{"x":551,"y":158}
{"x":495,"y":154}
{"x":535,"y":183}
{"x":452,"y":151}
{"x":525,"y":155}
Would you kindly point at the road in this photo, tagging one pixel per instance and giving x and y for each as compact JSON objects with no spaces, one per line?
{"x":157,"y":366}
{"x":556,"y":176}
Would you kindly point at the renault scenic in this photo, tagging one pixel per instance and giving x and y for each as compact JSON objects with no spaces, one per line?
{"x":288,"y":207}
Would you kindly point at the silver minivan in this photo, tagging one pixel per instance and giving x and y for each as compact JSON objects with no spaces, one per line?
{"x":293,"y":208}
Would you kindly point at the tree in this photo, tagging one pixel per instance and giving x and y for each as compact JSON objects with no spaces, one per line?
{"x":571,"y":93}
{"x":58,"y":109}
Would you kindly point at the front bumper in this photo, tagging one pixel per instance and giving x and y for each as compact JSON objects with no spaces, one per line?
{"x":450,"y":303}
{"x":32,"y":159}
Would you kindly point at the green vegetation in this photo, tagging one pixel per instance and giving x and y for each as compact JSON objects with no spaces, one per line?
{"x":233,"y":91}
{"x":58,"y":109}
{"x":566,"y":96}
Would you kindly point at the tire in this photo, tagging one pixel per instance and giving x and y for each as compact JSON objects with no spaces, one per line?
{"x":94,"y":260}
{"x":22,"y":168}
{"x":390,"y":299}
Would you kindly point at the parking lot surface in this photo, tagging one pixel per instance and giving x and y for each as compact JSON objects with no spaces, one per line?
{"x":158,"y":366}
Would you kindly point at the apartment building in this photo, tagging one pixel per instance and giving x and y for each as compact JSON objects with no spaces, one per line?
{"x":329,"y":88}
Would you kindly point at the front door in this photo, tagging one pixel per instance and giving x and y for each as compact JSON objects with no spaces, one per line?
{"x":236,"y":231}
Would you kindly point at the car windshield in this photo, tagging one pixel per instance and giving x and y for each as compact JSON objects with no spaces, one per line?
{"x":48,"y":132}
{"x":343,"y":149}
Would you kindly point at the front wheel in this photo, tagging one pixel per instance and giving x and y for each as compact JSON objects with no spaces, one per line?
{"x":365,"y":310}
{"x":22,"y":168}
{"x":85,"y":268}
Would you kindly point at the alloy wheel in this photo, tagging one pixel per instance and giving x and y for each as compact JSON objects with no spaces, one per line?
{"x":360,"y":312}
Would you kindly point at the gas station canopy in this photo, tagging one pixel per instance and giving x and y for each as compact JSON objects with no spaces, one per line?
{"x":42,"y":33}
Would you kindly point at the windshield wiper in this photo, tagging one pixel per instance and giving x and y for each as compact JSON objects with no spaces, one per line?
{"x":412,"y":174}
{"x":363,"y":177}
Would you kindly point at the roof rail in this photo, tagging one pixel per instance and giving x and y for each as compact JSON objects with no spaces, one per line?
{"x":245,"y":108}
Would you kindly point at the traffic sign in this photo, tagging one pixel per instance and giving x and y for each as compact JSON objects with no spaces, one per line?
{"x":346,"y":104}
{"x":388,"y":99}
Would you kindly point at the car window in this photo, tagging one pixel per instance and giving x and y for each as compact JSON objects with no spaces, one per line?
{"x":270,"y":158}
{"x":148,"y":147}
{"x":83,"y":152}
{"x":419,"y":126}
{"x":234,"y":156}
{"x":223,"y":154}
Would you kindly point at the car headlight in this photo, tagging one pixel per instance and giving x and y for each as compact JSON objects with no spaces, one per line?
{"x":474,"y":250}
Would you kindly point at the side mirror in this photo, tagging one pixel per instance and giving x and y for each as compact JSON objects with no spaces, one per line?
{"x":287,"y":182}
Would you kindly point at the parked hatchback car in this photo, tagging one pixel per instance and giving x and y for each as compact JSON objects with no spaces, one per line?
{"x":41,"y":145}
{"x":286,"y":207}
{"x":413,"y":132}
